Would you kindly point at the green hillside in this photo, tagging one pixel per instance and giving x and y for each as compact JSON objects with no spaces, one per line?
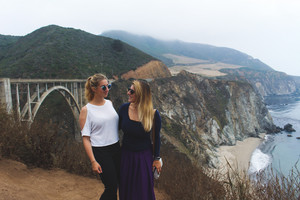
{"x":6,"y":41}
{"x":57,"y":52}
{"x":158,"y":48}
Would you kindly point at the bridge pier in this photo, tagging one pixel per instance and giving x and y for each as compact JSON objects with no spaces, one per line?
{"x":5,"y":94}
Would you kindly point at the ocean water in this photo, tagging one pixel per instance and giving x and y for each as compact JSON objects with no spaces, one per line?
{"x":278,"y":151}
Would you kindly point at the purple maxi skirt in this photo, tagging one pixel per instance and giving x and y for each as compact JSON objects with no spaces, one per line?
{"x":136,"y":178}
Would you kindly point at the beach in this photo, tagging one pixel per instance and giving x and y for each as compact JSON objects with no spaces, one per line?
{"x":239,"y":155}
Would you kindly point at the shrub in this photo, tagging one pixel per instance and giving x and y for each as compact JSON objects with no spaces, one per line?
{"x":43,"y":145}
{"x":182,"y":179}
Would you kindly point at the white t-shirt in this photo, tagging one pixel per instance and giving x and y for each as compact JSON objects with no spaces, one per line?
{"x":101,"y":124}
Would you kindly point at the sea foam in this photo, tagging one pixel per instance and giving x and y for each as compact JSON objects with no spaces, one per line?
{"x":259,"y":161}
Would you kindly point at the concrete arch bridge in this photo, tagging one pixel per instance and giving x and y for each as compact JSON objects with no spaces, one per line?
{"x":25,"y":96}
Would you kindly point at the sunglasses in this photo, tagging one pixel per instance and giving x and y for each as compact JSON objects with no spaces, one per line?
{"x":103,"y":87}
{"x":131,"y":91}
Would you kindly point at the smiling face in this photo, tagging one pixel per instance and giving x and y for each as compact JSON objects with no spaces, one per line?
{"x":99,"y":89}
{"x":131,"y":94}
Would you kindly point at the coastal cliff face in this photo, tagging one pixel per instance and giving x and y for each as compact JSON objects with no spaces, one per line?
{"x":266,"y":82}
{"x":201,"y":114}
{"x":275,"y":84}
{"x":152,"y":69}
{"x":297,"y":81}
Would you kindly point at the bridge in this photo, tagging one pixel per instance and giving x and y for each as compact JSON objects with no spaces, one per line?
{"x":24,"y":97}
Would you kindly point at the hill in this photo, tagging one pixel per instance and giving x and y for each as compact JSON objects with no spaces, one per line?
{"x":58,"y":52}
{"x":211,"y":61}
{"x":164,"y":49}
{"x":266,"y":83}
{"x":5,"y":42}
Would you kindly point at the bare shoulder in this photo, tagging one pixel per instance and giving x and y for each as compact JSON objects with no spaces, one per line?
{"x":83,"y":110}
{"x":82,"y":116}
{"x":83,"y":113}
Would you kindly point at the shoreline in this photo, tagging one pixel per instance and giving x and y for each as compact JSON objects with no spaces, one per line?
{"x":239,"y":155}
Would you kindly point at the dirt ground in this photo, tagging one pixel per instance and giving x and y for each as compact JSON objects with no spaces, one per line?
{"x":17,"y":182}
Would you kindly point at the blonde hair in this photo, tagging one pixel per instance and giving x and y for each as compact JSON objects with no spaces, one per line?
{"x":144,"y":103}
{"x":92,"y":81}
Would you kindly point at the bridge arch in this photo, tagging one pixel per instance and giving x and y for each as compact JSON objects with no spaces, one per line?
{"x":65,"y":93}
{"x":21,"y":95}
{"x":71,"y":101}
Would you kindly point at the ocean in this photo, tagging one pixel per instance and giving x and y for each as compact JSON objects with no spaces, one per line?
{"x":278,"y":151}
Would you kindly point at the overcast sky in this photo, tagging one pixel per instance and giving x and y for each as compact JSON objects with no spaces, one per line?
{"x":265,"y":29}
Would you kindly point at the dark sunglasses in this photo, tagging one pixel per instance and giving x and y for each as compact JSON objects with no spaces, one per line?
{"x":131,"y":91}
{"x":103,"y":87}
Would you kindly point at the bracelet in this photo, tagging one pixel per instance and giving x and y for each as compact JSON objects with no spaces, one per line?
{"x":156,"y":158}
{"x":93,"y":161}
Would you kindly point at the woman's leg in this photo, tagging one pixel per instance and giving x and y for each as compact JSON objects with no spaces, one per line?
{"x":108,"y":157}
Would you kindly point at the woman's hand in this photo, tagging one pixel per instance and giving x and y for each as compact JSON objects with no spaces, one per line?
{"x":96,"y":167}
{"x":156,"y":164}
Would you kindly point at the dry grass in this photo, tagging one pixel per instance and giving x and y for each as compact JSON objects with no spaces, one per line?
{"x":42,"y":146}
{"x":264,"y":185}
{"x":182,"y":179}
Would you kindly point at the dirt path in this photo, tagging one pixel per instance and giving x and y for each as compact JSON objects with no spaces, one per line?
{"x":17,"y":182}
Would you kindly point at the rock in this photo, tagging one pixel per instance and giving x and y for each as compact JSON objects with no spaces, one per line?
{"x":273,"y":129}
{"x":278,"y":129}
{"x":151,"y":70}
{"x":289,"y":128}
{"x":289,"y":135}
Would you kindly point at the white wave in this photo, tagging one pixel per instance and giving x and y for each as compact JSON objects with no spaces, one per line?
{"x":259,"y":161}
{"x":266,"y":137}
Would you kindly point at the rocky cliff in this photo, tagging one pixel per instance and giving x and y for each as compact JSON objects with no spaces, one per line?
{"x":152,"y":69}
{"x":265,"y":82}
{"x":297,"y":81}
{"x":200,"y":114}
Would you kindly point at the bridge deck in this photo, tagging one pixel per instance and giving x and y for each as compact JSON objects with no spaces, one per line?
{"x":46,"y":80}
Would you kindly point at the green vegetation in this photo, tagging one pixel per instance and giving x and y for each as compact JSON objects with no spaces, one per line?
{"x":56,"y":52}
{"x":7,"y":40}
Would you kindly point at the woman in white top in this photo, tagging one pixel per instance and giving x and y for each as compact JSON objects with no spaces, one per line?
{"x":99,"y":128}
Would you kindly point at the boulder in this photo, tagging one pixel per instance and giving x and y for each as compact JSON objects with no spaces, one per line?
{"x":289,"y":128}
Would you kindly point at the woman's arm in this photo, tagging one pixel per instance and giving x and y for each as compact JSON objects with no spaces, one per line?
{"x":157,"y":134}
{"x":156,"y":164}
{"x":88,"y":149}
{"x":87,"y":142}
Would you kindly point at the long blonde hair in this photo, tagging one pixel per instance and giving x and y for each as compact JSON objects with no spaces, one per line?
{"x":92,"y":82}
{"x":144,"y":103}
